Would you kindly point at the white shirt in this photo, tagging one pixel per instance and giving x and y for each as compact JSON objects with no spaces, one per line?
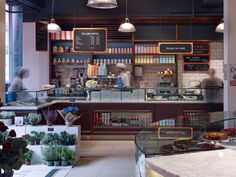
{"x":17,"y":85}
{"x":125,"y":78}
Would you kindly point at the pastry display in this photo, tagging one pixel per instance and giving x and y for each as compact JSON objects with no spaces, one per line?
{"x":230,"y":131}
{"x":183,"y":144}
{"x":168,"y":148}
{"x":215,"y":136}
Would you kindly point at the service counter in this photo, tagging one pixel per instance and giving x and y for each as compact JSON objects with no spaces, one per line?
{"x":108,"y":117}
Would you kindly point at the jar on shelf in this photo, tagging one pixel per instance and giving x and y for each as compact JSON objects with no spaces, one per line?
{"x":54,"y":49}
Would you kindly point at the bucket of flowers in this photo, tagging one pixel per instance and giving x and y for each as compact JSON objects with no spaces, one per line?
{"x":70,"y":114}
{"x":12,"y":150}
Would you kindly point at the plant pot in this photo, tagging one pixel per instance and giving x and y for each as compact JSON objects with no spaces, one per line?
{"x":49,"y":123}
{"x":37,"y":142}
{"x":50,"y":163}
{"x":64,"y":163}
{"x":7,"y":122}
{"x":69,"y":124}
{"x":7,"y":174}
{"x":57,"y":163}
{"x":27,"y":162}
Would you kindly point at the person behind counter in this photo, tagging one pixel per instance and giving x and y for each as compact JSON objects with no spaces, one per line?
{"x":17,"y":84}
{"x":123,"y":77}
{"x":213,"y":87}
{"x":212,"y":81}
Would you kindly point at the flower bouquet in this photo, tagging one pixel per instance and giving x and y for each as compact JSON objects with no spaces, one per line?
{"x":70,"y":114}
{"x":12,"y":150}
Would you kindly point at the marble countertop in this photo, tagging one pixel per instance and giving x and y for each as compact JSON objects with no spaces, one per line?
{"x":217,"y":163}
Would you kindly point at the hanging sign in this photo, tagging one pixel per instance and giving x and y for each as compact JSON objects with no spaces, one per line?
{"x":89,"y":39}
{"x":175,"y":48}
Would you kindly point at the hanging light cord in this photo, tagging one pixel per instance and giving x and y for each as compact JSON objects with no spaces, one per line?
{"x":52,"y":7}
{"x":126,"y":9}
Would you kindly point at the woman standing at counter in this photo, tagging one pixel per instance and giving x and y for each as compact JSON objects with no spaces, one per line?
{"x":17,"y":84}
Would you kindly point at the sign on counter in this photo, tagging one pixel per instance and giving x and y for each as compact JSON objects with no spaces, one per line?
{"x":176,"y":48}
{"x":89,"y":39}
{"x":175,"y":132}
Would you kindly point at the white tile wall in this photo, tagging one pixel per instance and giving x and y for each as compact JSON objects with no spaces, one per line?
{"x":216,"y":62}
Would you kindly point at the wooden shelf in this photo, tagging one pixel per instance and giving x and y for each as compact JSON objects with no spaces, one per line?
{"x":155,"y":64}
{"x":112,"y":127}
{"x":78,"y":53}
{"x":147,"y":54}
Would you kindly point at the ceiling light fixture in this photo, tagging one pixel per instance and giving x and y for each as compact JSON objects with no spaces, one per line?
{"x":102,"y":4}
{"x":220,"y":27}
{"x":126,"y":26}
{"x":52,"y":26}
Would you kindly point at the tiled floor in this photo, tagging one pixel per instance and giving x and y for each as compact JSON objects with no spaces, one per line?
{"x":105,"y":159}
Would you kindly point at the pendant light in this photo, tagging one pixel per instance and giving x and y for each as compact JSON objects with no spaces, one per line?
{"x":126,"y":26}
{"x":102,"y":4}
{"x":220,"y":27}
{"x":52,"y":26}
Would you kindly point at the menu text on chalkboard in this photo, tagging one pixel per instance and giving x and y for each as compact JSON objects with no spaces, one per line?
{"x":201,"y":48}
{"x":175,"y":48}
{"x":175,"y":133}
{"x":196,"y":59}
{"x":89,"y":39}
{"x":41,"y":36}
{"x":196,"y":67}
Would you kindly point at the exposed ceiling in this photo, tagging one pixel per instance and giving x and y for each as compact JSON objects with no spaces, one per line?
{"x":41,"y":9}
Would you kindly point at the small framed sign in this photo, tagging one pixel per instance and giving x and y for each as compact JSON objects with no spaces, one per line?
{"x":41,"y":36}
{"x":175,"y":132}
{"x":19,"y":121}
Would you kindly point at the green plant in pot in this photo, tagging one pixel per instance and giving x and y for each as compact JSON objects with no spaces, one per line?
{"x":67,"y":139}
{"x":7,"y":117}
{"x":50,"y":116}
{"x":48,"y":154}
{"x":27,"y":156}
{"x":30,"y":139}
{"x":34,"y":118}
{"x":64,"y":156}
{"x":71,"y":157}
{"x":57,"y":153}
{"x":38,"y":136}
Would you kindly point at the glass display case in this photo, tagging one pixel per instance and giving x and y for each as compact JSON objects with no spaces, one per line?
{"x":156,"y":140}
{"x":30,"y":98}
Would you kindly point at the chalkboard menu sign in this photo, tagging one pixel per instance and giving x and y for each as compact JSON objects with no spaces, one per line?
{"x":175,"y":133}
{"x":175,"y":48}
{"x":196,"y":59}
{"x":41,"y":36}
{"x":89,"y":39}
{"x":201,"y":48}
{"x":196,"y":67}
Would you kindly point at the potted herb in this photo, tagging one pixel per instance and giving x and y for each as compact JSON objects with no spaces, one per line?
{"x":38,"y":136}
{"x":64,"y":155}
{"x":67,"y":139}
{"x":50,"y":116}
{"x":48,"y":154}
{"x":27,"y":156}
{"x":52,"y":138}
{"x":34,"y":118}
{"x":6,"y":117}
{"x":72,"y":157}
{"x":30,"y":139}
{"x":57,"y":153}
